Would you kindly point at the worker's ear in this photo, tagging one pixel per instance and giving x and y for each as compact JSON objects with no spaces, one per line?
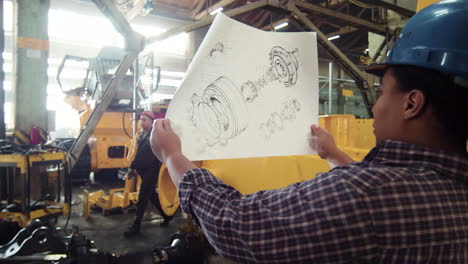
{"x":414,"y":103}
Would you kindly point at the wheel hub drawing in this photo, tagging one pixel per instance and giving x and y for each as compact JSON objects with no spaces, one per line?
{"x":285,"y":64}
{"x":217,"y":112}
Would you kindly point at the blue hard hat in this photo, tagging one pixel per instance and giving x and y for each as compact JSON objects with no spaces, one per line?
{"x":434,"y":38}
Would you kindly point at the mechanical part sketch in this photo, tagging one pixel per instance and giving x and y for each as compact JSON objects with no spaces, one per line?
{"x":220,"y":111}
{"x":284,"y":67}
{"x":240,"y":98}
{"x":219,"y":48}
{"x":278,"y":120}
{"x":221,"y":107}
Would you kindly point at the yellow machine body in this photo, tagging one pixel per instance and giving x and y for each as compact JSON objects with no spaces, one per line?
{"x":25,"y":163}
{"x":109,"y":143}
{"x":354,"y":136}
{"x":110,"y":132}
{"x":115,"y":198}
{"x":423,"y":3}
{"x":53,"y":209}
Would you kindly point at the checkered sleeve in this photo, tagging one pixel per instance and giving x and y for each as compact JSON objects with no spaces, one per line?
{"x":316,"y":221}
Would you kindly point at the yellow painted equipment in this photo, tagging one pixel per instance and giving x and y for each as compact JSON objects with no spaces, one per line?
{"x":110,"y":141}
{"x":53,"y":209}
{"x":25,"y":162}
{"x":108,"y":130}
{"x":116,"y":198}
{"x":423,"y":3}
{"x":354,"y":136}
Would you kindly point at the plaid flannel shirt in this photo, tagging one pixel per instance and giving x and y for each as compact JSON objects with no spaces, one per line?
{"x":402,"y":204}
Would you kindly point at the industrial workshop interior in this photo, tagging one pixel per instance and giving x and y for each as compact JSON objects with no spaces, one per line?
{"x":85,"y":82}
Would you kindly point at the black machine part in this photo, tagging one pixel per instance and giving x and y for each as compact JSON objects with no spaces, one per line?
{"x":183,"y":250}
{"x":40,"y":243}
{"x":35,"y":237}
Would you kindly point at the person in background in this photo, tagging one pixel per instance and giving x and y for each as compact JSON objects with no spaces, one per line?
{"x":147,"y":166}
{"x":406,"y":202}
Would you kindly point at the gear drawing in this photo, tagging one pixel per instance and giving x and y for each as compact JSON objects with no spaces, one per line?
{"x":221,"y":111}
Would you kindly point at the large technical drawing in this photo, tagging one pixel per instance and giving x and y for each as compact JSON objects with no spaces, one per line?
{"x":221,"y":111}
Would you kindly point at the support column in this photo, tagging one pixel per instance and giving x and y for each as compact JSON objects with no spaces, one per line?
{"x":32,"y":52}
{"x":340,"y":99}
{"x":330,"y":87}
{"x":2,"y":75}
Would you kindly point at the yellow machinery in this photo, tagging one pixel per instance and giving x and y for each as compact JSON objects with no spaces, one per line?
{"x":354,"y":136}
{"x":111,"y":139}
{"x":116,"y":198}
{"x":120,"y":197}
{"x":423,"y":3}
{"x":21,"y":173}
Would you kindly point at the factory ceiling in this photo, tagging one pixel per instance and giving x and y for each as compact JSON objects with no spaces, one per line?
{"x":351,"y":20}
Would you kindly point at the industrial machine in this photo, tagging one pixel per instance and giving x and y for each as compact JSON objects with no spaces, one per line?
{"x":37,"y":185}
{"x":111,"y":139}
{"x":112,"y":144}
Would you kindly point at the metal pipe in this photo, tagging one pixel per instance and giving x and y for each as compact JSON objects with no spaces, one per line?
{"x":134,"y":45}
{"x":135,"y":95}
{"x":330,"y":86}
{"x":2,"y":76}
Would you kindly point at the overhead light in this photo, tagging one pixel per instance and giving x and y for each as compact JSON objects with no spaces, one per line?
{"x":334,"y":37}
{"x":282,"y":25}
{"x":367,"y":50}
{"x":216,"y":11}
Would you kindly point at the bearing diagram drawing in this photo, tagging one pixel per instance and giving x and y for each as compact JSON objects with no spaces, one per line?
{"x":219,"y":47}
{"x":221,"y":111}
{"x":277,"y":120}
{"x":283,"y":67}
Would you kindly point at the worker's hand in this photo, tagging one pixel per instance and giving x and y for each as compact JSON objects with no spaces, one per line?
{"x":322,"y":142}
{"x":164,"y":142}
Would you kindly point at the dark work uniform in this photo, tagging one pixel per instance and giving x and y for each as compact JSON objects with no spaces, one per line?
{"x":147,"y":166}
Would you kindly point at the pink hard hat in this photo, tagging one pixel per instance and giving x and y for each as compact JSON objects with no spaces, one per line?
{"x":149,"y":114}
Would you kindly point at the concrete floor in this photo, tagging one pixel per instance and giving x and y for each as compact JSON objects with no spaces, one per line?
{"x":107,"y":231}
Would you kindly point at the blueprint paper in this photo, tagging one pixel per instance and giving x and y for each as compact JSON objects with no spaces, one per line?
{"x":247,"y":93}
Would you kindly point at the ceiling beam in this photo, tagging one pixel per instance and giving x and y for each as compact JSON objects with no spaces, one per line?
{"x":357,"y":22}
{"x":207,"y":11}
{"x":171,"y":11}
{"x":262,"y":20}
{"x":384,"y":4}
{"x":385,"y":46}
{"x":342,"y":31}
{"x":199,"y":7}
{"x":273,"y":24}
{"x":135,"y":10}
{"x":296,"y":25}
